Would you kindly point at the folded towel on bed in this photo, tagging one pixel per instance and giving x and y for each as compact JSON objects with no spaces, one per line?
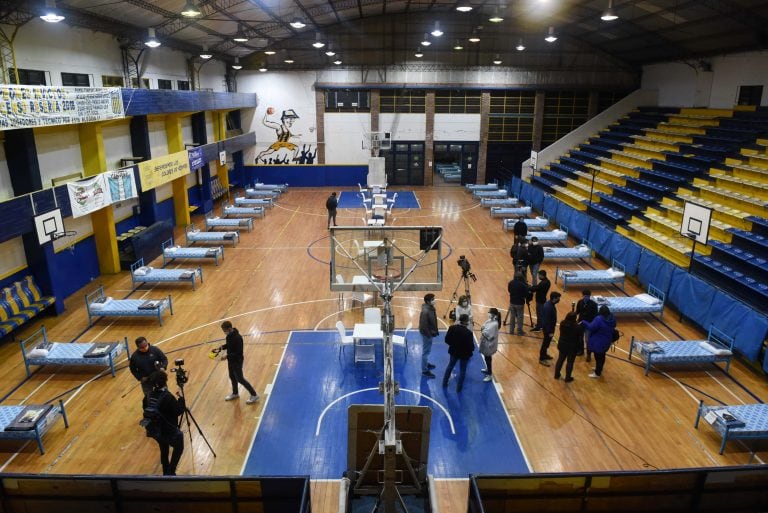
{"x":728,"y":418}
{"x":98,"y":304}
{"x":151,"y":304}
{"x":186,"y":275}
{"x":46,"y":346}
{"x":600,"y":300}
{"x":720,"y":351}
{"x":212,"y":252}
{"x":648,"y":299}
{"x":651,"y":347}
{"x":38,"y":353}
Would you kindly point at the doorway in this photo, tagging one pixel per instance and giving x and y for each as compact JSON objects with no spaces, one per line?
{"x":455,"y":156}
{"x":404,"y":163}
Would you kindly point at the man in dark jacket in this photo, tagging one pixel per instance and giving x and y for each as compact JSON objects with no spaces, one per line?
{"x":428,"y":330}
{"x":548,"y":323}
{"x":144,"y":362}
{"x":461,"y":345}
{"x":330,"y":204}
{"x":540,"y":291}
{"x":535,"y":258}
{"x":519,"y":253}
{"x":235,"y":360}
{"x":518,"y":293}
{"x":169,"y":408}
{"x":520,"y":229}
{"x":586,"y":310}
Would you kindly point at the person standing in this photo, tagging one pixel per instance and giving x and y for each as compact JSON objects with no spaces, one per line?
{"x":235,"y":360}
{"x":461,"y":345}
{"x":428,"y":330}
{"x":144,"y":362}
{"x":330,"y":204}
{"x":540,"y":291}
{"x":535,"y":258}
{"x":520,"y":229}
{"x":168,"y":408}
{"x":462,"y":308}
{"x":518,"y":293}
{"x":600,"y":337}
{"x":548,"y":323}
{"x":520,"y":258}
{"x":567,"y":346}
{"x":586,"y":310}
{"x":489,"y":341}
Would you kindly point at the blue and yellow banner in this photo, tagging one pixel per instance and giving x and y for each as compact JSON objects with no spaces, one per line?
{"x":156,"y":172}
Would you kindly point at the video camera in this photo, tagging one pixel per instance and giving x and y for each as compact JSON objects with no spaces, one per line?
{"x":182,"y":376}
{"x":465,"y":268}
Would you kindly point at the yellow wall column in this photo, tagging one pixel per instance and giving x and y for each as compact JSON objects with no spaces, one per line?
{"x":103,"y":221}
{"x":219,"y":134}
{"x":179,"y":185}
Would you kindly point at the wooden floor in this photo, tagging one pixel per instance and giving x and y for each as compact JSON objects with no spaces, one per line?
{"x":270,"y":284}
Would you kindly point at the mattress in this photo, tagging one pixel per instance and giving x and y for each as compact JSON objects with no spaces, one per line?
{"x":574,"y":252}
{"x":62,"y":353}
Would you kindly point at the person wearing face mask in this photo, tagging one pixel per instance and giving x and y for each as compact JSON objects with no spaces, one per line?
{"x":428,"y":330}
{"x":535,"y":258}
{"x":489,"y":341}
{"x":548,"y":323}
{"x":144,"y":362}
{"x":586,"y":310}
{"x":461,"y":345}
{"x":540,"y":291}
{"x":464,"y":307}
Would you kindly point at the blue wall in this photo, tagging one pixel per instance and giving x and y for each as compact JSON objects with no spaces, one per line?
{"x":75,"y":267}
{"x":308,"y":176}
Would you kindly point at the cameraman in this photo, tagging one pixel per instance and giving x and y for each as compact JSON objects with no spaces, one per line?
{"x":235,"y":360}
{"x":519,"y":254}
{"x":144,"y":362}
{"x":169,"y":409}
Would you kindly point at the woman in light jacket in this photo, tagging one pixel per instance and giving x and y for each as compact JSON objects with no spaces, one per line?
{"x":600,"y":337}
{"x":489,"y":341}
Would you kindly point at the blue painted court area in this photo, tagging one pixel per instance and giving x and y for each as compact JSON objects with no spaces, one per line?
{"x":470,"y":432}
{"x":405,"y":199}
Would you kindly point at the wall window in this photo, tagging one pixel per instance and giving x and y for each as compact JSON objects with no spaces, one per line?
{"x":182,"y":85}
{"x":457,"y":102}
{"x":164,"y":84}
{"x":347,"y":100}
{"x":112,"y":81}
{"x":750,"y":95}
{"x":75,"y":80}
{"x":27,"y":77}
{"x":563,"y":112}
{"x":402,"y":101}
{"x":510,"y":117}
{"x":135,"y":83}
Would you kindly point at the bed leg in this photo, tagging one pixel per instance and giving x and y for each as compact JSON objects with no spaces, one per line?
{"x":648,"y":364}
{"x":725,"y":440}
{"x":698,"y":414}
{"x":63,"y":413}
{"x":39,"y":439}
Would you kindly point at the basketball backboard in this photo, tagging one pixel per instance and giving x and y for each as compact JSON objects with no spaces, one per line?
{"x":377,"y":141}
{"x":402,"y":257}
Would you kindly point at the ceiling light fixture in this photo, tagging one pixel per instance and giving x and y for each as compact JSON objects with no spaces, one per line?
{"x":609,"y":14}
{"x":240,"y":36}
{"x":426,"y":41}
{"x":318,"y":44}
{"x":288,"y":60}
{"x":297,"y":23}
{"x":458,"y":45}
{"x":463,"y":6}
{"x":329,"y":52}
{"x":236,"y":65}
{"x":152,"y":41}
{"x":496,"y":17}
{"x":497,"y":60}
{"x":205,"y":54}
{"x":520,"y":46}
{"x":269,"y":52}
{"x":337,"y":62}
{"x":419,"y":54}
{"x":262,"y":68}
{"x":190,"y":11}
{"x":473,"y":38}
{"x":51,"y":15}
{"x":551,"y":36}
{"x":437,"y":32}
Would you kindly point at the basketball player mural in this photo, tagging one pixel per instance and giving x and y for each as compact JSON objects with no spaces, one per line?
{"x":283,"y":151}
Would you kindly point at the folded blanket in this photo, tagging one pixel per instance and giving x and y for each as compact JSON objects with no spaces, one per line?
{"x":729,"y":419}
{"x":101,"y":304}
{"x":651,"y":347}
{"x":186,"y":275}
{"x":648,"y":299}
{"x":152,"y":304}
{"x":713,"y":349}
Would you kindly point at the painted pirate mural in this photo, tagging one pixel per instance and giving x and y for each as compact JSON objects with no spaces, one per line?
{"x":283,"y":151}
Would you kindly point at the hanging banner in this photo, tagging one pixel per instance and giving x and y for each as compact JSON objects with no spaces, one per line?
{"x":122,"y":184}
{"x":162,"y":170}
{"x":88,"y":195}
{"x":196,"y":158}
{"x":34,"y":106}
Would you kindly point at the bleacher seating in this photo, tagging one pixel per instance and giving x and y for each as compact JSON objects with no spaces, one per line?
{"x":21,"y":302}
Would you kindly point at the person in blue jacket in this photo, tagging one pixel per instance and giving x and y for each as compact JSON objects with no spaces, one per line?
{"x":600,"y":337}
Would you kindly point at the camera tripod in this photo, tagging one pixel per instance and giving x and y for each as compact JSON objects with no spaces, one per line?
{"x":454,"y":297}
{"x":181,"y":380}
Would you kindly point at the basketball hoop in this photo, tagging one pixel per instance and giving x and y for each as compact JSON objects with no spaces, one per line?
{"x":61,"y":235}
{"x":376,"y":141}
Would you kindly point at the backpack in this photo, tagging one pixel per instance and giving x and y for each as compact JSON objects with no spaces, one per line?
{"x":153,"y":420}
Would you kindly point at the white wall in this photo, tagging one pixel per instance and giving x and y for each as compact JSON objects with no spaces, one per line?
{"x":186,"y":130}
{"x":344,"y":137}
{"x":403,"y":127}
{"x":117,"y":143}
{"x":158,"y":139}
{"x":58,"y":152}
{"x":12,"y":256}
{"x":457,"y":127}
{"x":732,"y":71}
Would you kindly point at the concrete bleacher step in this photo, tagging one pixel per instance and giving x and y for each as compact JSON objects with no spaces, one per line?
{"x":724,"y":179}
{"x":668,"y":136}
{"x":745,"y":202}
{"x":705,"y":112}
{"x":681,"y":128}
{"x":745,"y":170}
{"x":607,"y":181}
{"x":646,"y":150}
{"x":658,"y":143}
{"x":727,"y":214}
{"x":668,"y":227}
{"x":717,"y":229}
{"x":759,"y":161}
{"x":658,"y":243}
{"x":698,"y":121}
{"x":619,"y":168}
{"x":631,"y":160}
{"x":571,"y":197}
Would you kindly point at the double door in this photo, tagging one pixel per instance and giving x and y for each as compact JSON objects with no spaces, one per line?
{"x":405,"y":163}
{"x":462,"y":154}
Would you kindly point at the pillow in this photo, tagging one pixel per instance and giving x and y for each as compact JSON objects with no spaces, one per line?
{"x":713,"y":349}
{"x":648,"y":299}
{"x":38,"y":353}
{"x":615,"y":272}
{"x":599,"y":299}
{"x":558,"y":232}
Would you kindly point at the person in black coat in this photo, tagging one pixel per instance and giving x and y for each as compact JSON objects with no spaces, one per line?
{"x":535,"y":258}
{"x":519,"y":254}
{"x":330,"y":204}
{"x":548,"y":323}
{"x":518,"y":294}
{"x":586,"y":310}
{"x":520,"y":229}
{"x":567,"y":346}
{"x":144,"y":362}
{"x":169,"y":409}
{"x":235,"y":360}
{"x":461,"y":345}
{"x":540,"y":291}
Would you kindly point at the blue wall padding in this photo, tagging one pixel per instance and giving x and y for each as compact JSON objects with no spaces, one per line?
{"x":193,"y":193}
{"x":691,"y":296}
{"x":551,"y":205}
{"x":525,"y":193}
{"x":165,"y":211}
{"x":578,"y":224}
{"x":515,"y":185}
{"x":537,"y":199}
{"x":602,"y":240}
{"x":626,"y":252}
{"x":654,"y":269}
{"x":308,"y":176}
{"x":75,"y":268}
{"x":737,"y":320}
{"x":126,"y":224}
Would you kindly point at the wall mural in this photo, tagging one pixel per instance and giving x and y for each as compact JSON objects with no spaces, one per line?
{"x":285,"y":149}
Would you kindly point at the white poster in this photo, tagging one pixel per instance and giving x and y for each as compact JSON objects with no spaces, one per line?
{"x":88,"y":195}
{"x":122,"y":184}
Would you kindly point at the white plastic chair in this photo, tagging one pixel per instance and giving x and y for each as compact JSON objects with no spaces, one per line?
{"x":362,"y":297}
{"x":363,"y":190}
{"x":372,"y":315}
{"x":360,"y":249}
{"x":392,"y":199}
{"x":402,"y":340}
{"x":344,"y":339}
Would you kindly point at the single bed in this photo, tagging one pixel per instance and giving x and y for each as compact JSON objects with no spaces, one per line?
{"x":559,"y":235}
{"x":509,"y":211}
{"x":499,"y":202}
{"x":739,"y":422}
{"x":578,"y":251}
{"x":195,"y":235}
{"x":280,"y":187}
{"x":213,"y":222}
{"x":171,"y":252}
{"x":245,"y":211}
{"x":145,"y":274}
{"x":535,"y":223}
{"x":472,"y":187}
{"x":651,"y":302}
{"x":30,"y":422}
{"x":613,"y":275}
{"x":98,"y":305}
{"x":501,"y":193}
{"x":38,"y":350}
{"x":258,"y":193}
{"x":254,"y":202}
{"x":717,"y":348}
